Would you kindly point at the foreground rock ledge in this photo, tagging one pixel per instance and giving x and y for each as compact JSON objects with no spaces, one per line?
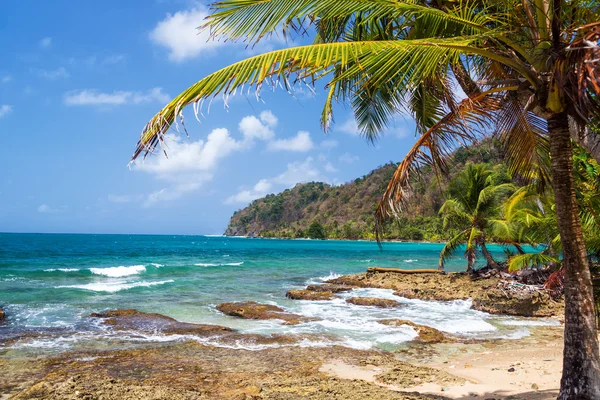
{"x":152,"y":322}
{"x":254,"y":310}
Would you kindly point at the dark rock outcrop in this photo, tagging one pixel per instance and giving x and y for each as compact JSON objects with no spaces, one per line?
{"x":329,"y":288}
{"x":254,"y":310}
{"x":2,"y":315}
{"x":373,"y":301}
{"x":151,"y":322}
{"x":308,"y":295}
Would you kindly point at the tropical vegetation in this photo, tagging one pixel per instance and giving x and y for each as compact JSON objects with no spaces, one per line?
{"x":529,"y":68}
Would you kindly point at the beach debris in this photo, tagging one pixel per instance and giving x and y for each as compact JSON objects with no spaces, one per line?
{"x":254,"y":310}
{"x":426,"y":334}
{"x":373,"y":301}
{"x":308,"y":295}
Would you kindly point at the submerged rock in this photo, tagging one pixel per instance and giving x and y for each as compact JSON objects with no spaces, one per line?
{"x":152,"y":322}
{"x":308,"y":295}
{"x":373,"y":301}
{"x":254,"y":310}
{"x":2,"y":315}
{"x":427,"y":334}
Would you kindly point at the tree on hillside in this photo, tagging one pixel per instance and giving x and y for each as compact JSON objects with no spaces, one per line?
{"x":316,"y":231}
{"x":530,"y":70}
{"x":473,"y":209}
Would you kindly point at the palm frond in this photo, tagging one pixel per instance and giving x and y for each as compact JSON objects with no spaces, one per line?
{"x":529,"y":260}
{"x":451,"y":246}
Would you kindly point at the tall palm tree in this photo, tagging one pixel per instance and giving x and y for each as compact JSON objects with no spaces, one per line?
{"x":473,"y":209}
{"x":530,"y":70}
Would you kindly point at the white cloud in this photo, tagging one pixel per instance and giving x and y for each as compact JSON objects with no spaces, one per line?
{"x":349,"y":127}
{"x":52,"y":75}
{"x":120,"y":199}
{"x":329,"y":144}
{"x":45,"y":42}
{"x":179,"y":34}
{"x":330,"y":168}
{"x":348,"y":158}
{"x":6,"y":78}
{"x":188,"y":156}
{"x":91,"y":97}
{"x":114,"y":59}
{"x":260,"y":129}
{"x":175,"y":192}
{"x":296,"y":172}
{"x":300,"y":143}
{"x":46,"y":209}
{"x":5,"y":109}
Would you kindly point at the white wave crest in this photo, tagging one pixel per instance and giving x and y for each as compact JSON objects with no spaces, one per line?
{"x":117,"y":272}
{"x":233,"y":264}
{"x":409,"y":261}
{"x":112,"y":287}
{"x":62,"y":269}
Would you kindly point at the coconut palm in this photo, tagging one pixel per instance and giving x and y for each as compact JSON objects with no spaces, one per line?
{"x":473,"y":209}
{"x":530,"y":70}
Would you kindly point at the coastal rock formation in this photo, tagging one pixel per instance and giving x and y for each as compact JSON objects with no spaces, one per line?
{"x":486,"y":293}
{"x":329,"y":288}
{"x":2,"y":315}
{"x":151,"y":322}
{"x":373,"y":301}
{"x":254,"y":310}
{"x":308,"y":295}
{"x":526,"y":304}
{"x":427,"y":334}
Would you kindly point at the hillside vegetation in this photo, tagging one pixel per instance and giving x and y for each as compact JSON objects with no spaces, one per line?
{"x":319,"y":210}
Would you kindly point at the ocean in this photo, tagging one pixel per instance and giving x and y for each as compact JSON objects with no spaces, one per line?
{"x":50,"y":283}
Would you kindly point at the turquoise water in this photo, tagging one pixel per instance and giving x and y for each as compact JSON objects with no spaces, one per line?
{"x":52,"y":281}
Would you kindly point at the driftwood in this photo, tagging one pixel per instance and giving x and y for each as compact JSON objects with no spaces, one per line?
{"x":404,"y":271}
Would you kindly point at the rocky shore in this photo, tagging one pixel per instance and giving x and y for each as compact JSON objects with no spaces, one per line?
{"x":433,"y":366}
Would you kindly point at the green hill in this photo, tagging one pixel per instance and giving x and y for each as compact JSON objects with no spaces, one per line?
{"x":346,"y":211}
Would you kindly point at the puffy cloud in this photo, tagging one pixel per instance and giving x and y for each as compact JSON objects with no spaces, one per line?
{"x":329,"y":167}
{"x":5,"y":109}
{"x":190,"y":156}
{"x":301,"y":142}
{"x":179,"y":34}
{"x":91,"y":97}
{"x":45,"y":42}
{"x":259,"y":190}
{"x":52,"y":75}
{"x":349,"y":127}
{"x":258,"y":128}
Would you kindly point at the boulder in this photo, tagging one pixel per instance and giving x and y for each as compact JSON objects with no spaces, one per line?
{"x":518,"y":303}
{"x":427,"y":334}
{"x":254,"y":310}
{"x":308,"y":295}
{"x":373,"y":301}
{"x":152,"y":322}
{"x":329,"y":288}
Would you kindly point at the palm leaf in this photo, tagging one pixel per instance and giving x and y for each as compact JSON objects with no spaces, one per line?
{"x":528,"y":260}
{"x":451,"y":246}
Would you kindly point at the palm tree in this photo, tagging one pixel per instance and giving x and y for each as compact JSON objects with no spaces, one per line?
{"x":529,"y":68}
{"x":473,"y":209}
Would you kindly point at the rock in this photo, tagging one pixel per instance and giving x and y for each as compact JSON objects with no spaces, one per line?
{"x":308,"y":295}
{"x":373,"y":301}
{"x":329,"y":288}
{"x":2,"y":315}
{"x":511,"y":369}
{"x":535,"y":386}
{"x":152,"y":322}
{"x":526,"y":304}
{"x":427,"y":334}
{"x":254,"y":310}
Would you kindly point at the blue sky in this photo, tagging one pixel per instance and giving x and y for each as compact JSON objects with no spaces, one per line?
{"x":79,"y":80}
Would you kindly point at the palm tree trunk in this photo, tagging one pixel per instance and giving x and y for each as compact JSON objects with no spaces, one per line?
{"x":581,"y":361}
{"x":488,"y":256}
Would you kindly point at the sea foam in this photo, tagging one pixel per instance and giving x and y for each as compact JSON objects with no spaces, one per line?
{"x":113,"y":287}
{"x":117,"y":272}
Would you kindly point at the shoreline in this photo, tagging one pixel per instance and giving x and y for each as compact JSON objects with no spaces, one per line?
{"x":442,"y":369}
